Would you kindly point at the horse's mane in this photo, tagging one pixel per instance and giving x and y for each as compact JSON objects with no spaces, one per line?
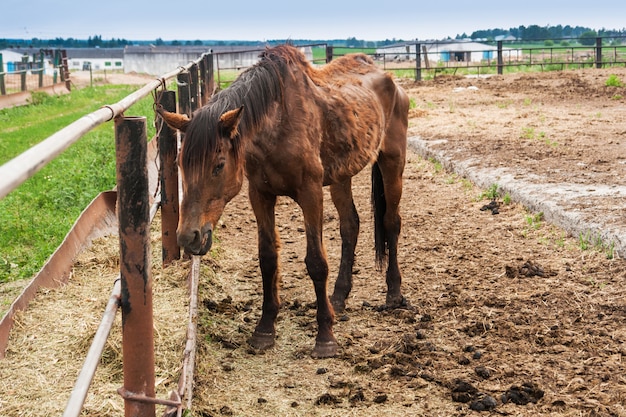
{"x":256,"y":89}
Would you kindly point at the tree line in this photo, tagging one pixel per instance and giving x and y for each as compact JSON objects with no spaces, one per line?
{"x":535,"y":33}
{"x":521,"y":33}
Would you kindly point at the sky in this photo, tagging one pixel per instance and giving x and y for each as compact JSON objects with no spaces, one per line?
{"x":292,"y":19}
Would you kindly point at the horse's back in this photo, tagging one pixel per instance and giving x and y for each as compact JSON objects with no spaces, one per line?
{"x":367,"y":112}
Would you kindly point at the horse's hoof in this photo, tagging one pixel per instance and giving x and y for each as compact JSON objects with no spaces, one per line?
{"x":261,"y":341}
{"x":398,"y":301}
{"x":324,"y":350}
{"x":339,"y":305}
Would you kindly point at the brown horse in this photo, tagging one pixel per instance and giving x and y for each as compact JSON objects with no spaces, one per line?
{"x":292,"y":129}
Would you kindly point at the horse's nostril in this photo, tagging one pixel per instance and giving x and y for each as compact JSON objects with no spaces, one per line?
{"x":190,"y":238}
{"x":197,"y":237}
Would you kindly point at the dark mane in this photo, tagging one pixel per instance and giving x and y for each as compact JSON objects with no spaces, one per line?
{"x":257,"y":89}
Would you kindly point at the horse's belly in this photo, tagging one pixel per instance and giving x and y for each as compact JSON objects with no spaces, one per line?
{"x":344,"y":156}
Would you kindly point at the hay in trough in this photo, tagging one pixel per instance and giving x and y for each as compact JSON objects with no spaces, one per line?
{"x":50,"y":340}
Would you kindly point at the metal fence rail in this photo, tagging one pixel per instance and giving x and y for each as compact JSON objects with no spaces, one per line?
{"x":138,"y":390}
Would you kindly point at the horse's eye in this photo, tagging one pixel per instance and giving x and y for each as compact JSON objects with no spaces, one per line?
{"x":218,"y":168}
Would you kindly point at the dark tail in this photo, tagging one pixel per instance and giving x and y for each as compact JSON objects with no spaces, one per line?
{"x":379,"y":207}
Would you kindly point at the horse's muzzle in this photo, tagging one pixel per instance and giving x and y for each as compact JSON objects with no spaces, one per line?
{"x":196,"y":241}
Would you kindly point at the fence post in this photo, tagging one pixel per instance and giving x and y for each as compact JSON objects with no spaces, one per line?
{"x":133,"y":206}
{"x":169,"y":181}
{"x":329,"y":53}
{"x":418,"y":62}
{"x":184,"y":99}
{"x":203,"y":88}
{"x":65,"y":70}
{"x":207,"y":84}
{"x":3,"y":88}
{"x":41,"y":68}
{"x":500,"y":60}
{"x":194,"y":87}
{"x":598,"y":52}
{"x":210,"y":77}
{"x":23,"y":73}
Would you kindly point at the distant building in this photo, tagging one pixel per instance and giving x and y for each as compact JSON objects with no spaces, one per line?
{"x":150,"y":59}
{"x":158,"y":60}
{"x":443,"y":51}
{"x":97,"y":59}
{"x":20,"y":59}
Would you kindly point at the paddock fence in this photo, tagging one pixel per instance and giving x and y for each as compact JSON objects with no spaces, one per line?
{"x":431,"y":59}
{"x":46,"y":69}
{"x":142,"y":189}
{"x":474,"y":58}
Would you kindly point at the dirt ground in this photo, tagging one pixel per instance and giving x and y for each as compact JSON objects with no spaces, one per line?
{"x":508,"y":314}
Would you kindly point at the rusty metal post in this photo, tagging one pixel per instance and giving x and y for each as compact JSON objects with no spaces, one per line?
{"x":209,"y":77}
{"x":133,"y":206}
{"x":184,"y":100}
{"x":203,"y":87}
{"x":169,"y":181}
{"x":194,"y":87}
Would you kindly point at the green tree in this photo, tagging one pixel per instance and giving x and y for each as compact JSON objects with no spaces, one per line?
{"x":588,"y":38}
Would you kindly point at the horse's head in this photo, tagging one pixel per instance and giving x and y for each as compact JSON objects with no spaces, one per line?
{"x":212,"y":172}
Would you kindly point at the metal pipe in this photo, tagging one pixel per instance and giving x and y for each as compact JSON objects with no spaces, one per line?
{"x":190,"y":346}
{"x":168,"y":148}
{"x":79,"y":393}
{"x":135,"y":265}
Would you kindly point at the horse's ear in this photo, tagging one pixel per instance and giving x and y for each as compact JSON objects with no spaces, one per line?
{"x":174,"y":120}
{"x":230,"y":121}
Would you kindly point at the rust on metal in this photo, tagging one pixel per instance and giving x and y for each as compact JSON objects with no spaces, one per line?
{"x":184,"y":93}
{"x":168,"y":146}
{"x":135,"y":267}
{"x":194,"y":87}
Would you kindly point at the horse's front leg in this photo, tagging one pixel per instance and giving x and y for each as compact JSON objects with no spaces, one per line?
{"x":263,"y":206}
{"x":349,"y":228}
{"x":311,"y":201}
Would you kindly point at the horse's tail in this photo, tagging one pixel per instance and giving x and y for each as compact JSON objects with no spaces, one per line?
{"x":379,"y":207}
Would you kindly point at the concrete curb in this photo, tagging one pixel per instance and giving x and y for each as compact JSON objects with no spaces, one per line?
{"x":556,"y":201}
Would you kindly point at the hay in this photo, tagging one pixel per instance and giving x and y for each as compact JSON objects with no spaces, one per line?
{"x":50,"y":340}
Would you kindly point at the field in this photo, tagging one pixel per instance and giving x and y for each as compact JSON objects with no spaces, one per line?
{"x":506,"y":312}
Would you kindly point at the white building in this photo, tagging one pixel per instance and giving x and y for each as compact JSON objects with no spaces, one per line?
{"x":98,"y":59}
{"x":444,"y":51}
{"x":19,"y":59}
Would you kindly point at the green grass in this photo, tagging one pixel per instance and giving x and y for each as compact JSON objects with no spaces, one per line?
{"x":490,"y":193}
{"x":37,"y":215}
{"x":614,"y":81}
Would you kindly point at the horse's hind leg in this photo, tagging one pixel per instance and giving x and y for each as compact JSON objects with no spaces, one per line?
{"x":263,"y":206}
{"x":391,"y":170}
{"x":349,"y":229}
